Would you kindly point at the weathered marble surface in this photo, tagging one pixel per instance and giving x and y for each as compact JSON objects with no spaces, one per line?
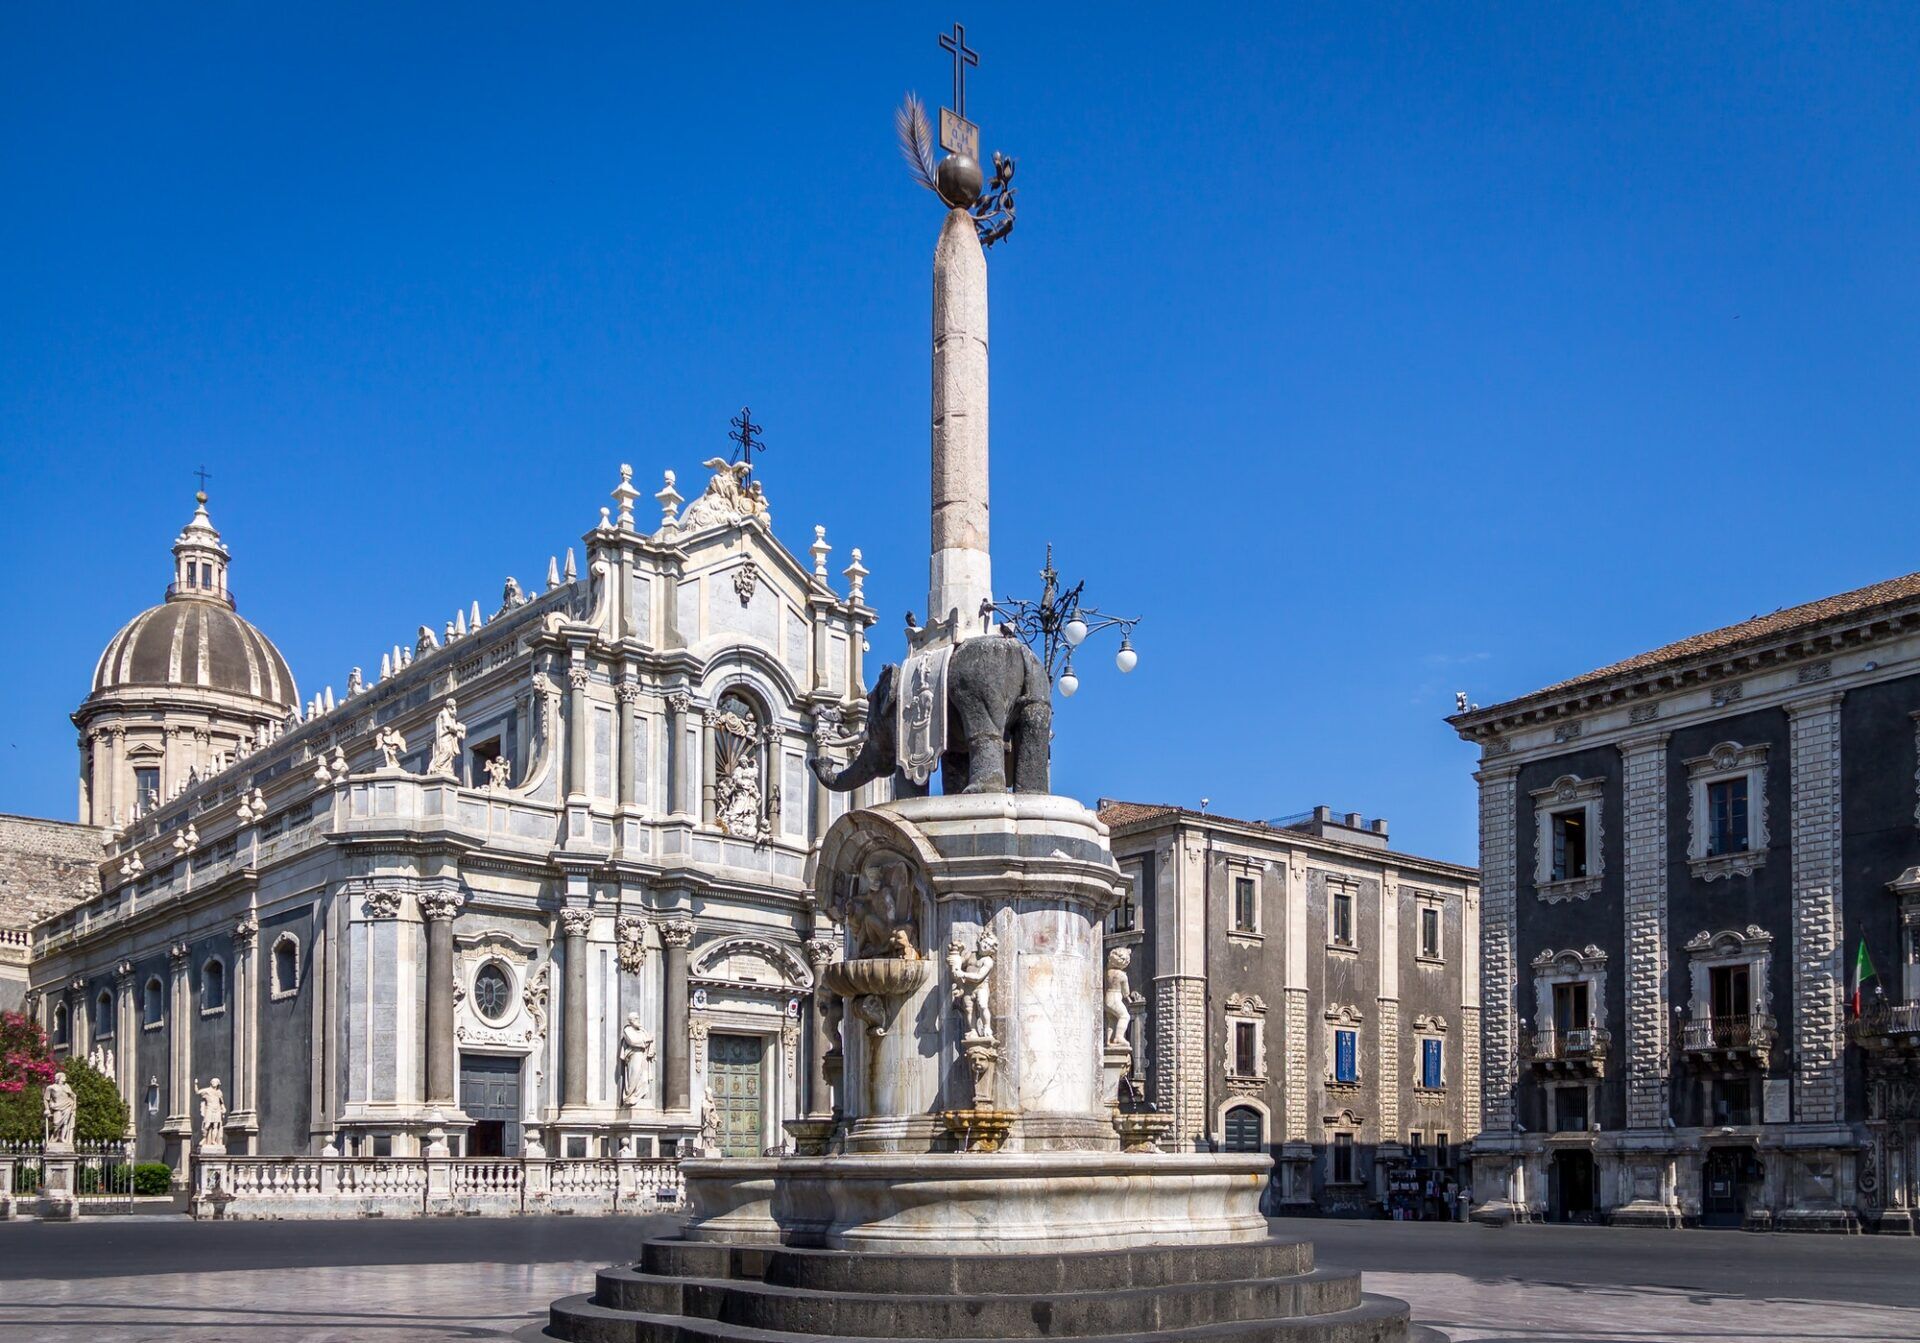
{"x":1012,"y":1201}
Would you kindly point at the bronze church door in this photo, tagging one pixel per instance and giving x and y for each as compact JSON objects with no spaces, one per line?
{"x":733,"y":1073}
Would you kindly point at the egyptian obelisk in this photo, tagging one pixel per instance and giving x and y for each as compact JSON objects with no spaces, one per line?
{"x":961,"y":577}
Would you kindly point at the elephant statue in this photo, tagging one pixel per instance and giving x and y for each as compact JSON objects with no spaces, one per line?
{"x":999,"y":723}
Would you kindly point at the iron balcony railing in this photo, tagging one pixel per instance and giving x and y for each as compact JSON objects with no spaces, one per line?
{"x":1749,"y":1030}
{"x":1587,"y":1042}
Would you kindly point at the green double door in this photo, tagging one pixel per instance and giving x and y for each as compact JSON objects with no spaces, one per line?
{"x":734,"y":1067}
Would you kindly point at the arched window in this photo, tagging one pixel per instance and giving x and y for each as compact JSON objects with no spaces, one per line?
{"x":742,"y":805}
{"x":103,"y":1015}
{"x":61,"y":1033}
{"x":213,"y":988}
{"x":286,"y":966}
{"x":153,"y":1004}
{"x":1244,"y":1129}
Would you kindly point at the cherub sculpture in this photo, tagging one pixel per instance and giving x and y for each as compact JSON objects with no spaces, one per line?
{"x":972,"y":990}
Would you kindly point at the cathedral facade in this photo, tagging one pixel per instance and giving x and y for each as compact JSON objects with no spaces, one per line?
{"x":541,"y":879}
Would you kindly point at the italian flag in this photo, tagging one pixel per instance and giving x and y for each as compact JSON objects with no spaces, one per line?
{"x":1862,"y":972}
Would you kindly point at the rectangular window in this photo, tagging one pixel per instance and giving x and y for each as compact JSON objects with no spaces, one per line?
{"x":1346,"y":1056}
{"x":1340,"y":916}
{"x":1246,"y":1049}
{"x":1570,"y":1110}
{"x":146,"y":786}
{"x":1246,"y":906}
{"x":1343,"y":1158}
{"x":1440,"y":1154}
{"x":1731,"y":994}
{"x":1430,"y":932}
{"x":1432,"y":1066}
{"x":1727,"y":816}
{"x":1570,"y":1008}
{"x":1570,"y":845}
{"x":1733,"y":1101}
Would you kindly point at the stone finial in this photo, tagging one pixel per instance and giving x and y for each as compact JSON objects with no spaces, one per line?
{"x":459,"y":624}
{"x":856,"y":576}
{"x":329,"y":699}
{"x":820,"y":550}
{"x":623,"y":495}
{"x":449,"y":632}
{"x":571,"y":572}
{"x":669,"y":500}
{"x":386,"y":666}
{"x":475,"y":622}
{"x":606,"y":519}
{"x":553,"y":573}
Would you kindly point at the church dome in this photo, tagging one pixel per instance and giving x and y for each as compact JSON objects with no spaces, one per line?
{"x":195,"y":640}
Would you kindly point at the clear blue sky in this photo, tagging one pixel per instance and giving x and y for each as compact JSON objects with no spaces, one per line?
{"x":1369,"y":353}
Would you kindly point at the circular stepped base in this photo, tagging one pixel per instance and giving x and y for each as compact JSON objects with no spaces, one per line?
{"x":701,"y":1292}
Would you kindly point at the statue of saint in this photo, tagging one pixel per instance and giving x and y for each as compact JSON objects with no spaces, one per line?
{"x":636,"y":1054}
{"x":213,"y":1117}
{"x":738,"y":797}
{"x":972,"y":992}
{"x":60,"y":1106}
{"x":448,"y":732}
{"x":709,"y":1124}
{"x":1119,"y":1014}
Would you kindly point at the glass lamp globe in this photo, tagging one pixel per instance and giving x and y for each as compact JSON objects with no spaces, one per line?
{"x":1068,"y":683}
{"x":1126,"y":659}
{"x":1075,"y":630}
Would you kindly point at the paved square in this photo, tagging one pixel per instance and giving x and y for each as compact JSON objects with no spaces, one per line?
{"x":166,"y":1280}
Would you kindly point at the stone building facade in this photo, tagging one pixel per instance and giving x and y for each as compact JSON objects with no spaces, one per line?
{"x":1683,"y":856}
{"x":542,"y":878}
{"x":1302,"y":989}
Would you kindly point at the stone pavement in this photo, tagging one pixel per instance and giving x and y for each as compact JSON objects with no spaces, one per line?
{"x":128,"y":1280}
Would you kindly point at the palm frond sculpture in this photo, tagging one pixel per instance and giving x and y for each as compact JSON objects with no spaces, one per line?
{"x":916,"y":141}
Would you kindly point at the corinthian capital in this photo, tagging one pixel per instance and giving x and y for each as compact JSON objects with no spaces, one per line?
{"x":440,"y":904}
{"x":576,"y":921}
{"x":677,"y":932}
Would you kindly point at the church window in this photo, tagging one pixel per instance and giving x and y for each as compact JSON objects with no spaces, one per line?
{"x":146,"y":786}
{"x":153,"y":1004}
{"x":1346,"y":1056}
{"x":739,"y":787}
{"x":1246,"y":905}
{"x":1246,"y":1049}
{"x":1340,"y":902}
{"x":103,"y":1016}
{"x":1727,"y":813}
{"x":286,"y":966}
{"x":1342,"y":1158}
{"x":492,"y":992}
{"x":213,"y":988}
{"x":60,"y":1031}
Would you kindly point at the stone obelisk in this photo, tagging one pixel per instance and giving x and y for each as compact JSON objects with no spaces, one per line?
{"x":962,"y":574}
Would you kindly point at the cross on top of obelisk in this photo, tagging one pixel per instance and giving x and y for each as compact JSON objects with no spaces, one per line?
{"x":742,"y":433}
{"x":963,"y":56}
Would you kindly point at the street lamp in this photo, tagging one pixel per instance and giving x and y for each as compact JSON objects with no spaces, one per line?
{"x":1057,"y":624}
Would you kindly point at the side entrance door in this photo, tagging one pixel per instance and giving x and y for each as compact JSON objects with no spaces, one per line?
{"x":733,"y":1073}
{"x":1723,"y":1197}
{"x":490,"y":1094}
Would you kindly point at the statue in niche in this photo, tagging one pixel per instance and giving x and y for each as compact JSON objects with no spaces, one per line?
{"x":738,"y":802}
{"x":392,"y":744}
{"x":1119,"y":1014}
{"x":213,"y":1116}
{"x":971,"y":972}
{"x":60,"y":1106}
{"x":448,"y":733}
{"x":636,"y":1057}
{"x":883,"y":914}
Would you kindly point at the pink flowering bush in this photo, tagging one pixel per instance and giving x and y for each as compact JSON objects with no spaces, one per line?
{"x":27,"y":1065}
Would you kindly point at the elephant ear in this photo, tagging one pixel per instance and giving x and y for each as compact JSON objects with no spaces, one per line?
{"x":882,"y":692}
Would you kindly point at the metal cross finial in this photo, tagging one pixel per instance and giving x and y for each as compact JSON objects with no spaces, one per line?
{"x":963,"y":56}
{"x":743,"y":433}
{"x":205,"y":475}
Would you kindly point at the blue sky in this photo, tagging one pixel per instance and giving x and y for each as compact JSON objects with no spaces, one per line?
{"x":1368,"y":352}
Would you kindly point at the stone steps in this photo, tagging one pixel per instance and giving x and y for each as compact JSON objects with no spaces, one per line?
{"x":1375,"y":1319}
{"x":709,"y":1292}
{"x":899,"y":1315}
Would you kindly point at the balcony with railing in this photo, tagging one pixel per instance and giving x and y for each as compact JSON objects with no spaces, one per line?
{"x":1731,"y":1039}
{"x":1886,"y":1024}
{"x":1577,"y":1050}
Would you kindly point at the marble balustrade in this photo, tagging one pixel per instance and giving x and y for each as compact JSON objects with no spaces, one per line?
{"x":248,"y":1188}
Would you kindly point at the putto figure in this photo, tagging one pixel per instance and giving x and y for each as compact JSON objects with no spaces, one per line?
{"x":392,"y":744}
{"x":1119,"y":1014}
{"x":971,"y":973}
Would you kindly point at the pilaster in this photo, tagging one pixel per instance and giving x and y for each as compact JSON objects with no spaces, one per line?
{"x":1818,"y":961}
{"x":244,"y":1117}
{"x":1498,"y":859}
{"x":1648,"y":1047}
{"x":1180,"y":1052}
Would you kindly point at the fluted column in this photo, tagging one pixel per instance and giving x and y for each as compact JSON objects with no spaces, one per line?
{"x":624,"y":742}
{"x":245,"y":1009}
{"x":679,"y":704}
{"x":677,"y":936}
{"x":438,"y":909}
{"x":573,"y":1053}
{"x":577,"y":677}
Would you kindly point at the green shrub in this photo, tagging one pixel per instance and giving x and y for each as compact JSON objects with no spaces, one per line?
{"x":152,"y":1178}
{"x":26,"y":1065}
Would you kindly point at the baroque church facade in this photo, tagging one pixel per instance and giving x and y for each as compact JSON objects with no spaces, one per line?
{"x":1701,"y":873}
{"x":543,"y":879}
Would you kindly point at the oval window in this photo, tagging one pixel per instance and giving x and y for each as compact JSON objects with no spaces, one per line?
{"x":492,"y":993}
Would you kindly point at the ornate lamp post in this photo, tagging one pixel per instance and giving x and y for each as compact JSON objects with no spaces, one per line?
{"x":1057,"y":624}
